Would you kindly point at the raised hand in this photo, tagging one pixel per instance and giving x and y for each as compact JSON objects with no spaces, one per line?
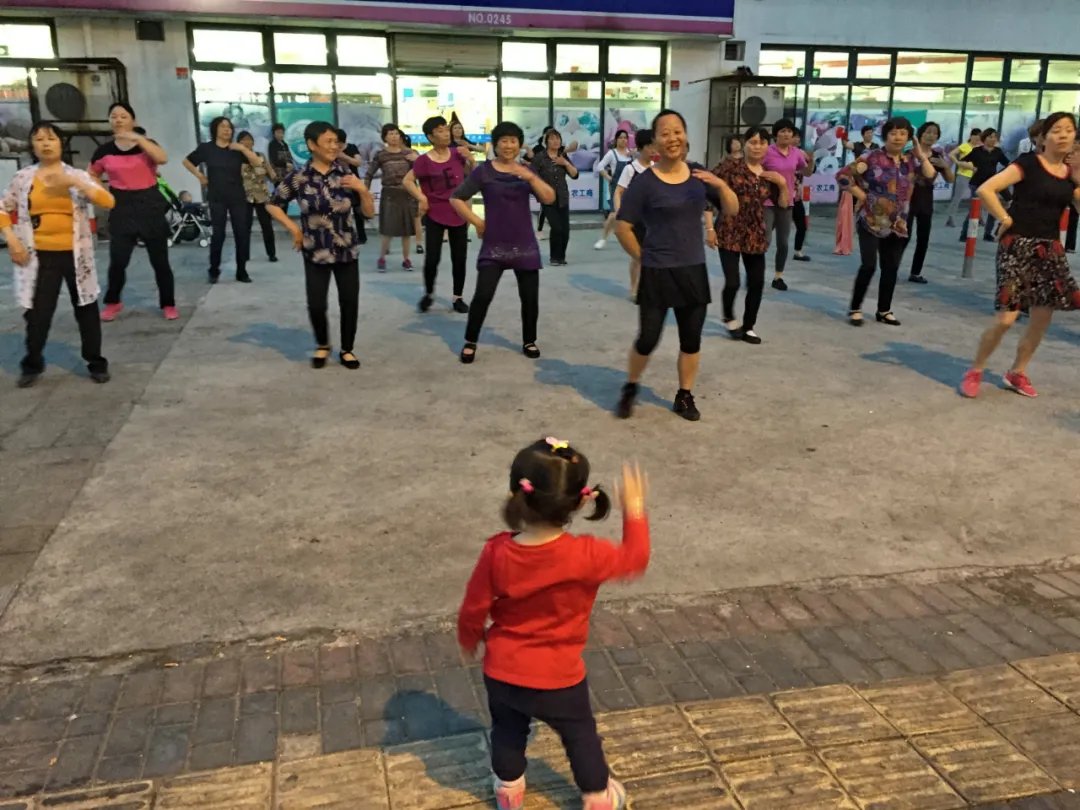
{"x":354,"y":183}
{"x":632,"y":490}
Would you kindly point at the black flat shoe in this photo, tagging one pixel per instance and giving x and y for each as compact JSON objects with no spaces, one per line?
{"x":625,"y":407}
{"x":750,"y":336}
{"x":271,"y":258}
{"x":779,"y":284}
{"x":419,"y":250}
{"x":213,"y":275}
{"x":855,"y":318}
{"x":468,"y":353}
{"x":803,"y":258}
{"x":887,"y":318}
{"x":460,"y":306}
{"x":914,"y":279}
{"x":349,"y":360}
{"x":530,"y":351}
{"x":425,"y":303}
{"x":27,"y":380}
{"x":100,"y":377}
{"x":243,"y":278}
{"x":318,"y":360}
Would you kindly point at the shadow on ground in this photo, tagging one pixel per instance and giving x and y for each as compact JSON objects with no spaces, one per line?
{"x":946,"y":369}
{"x":417,"y":716}
{"x":291,"y":343}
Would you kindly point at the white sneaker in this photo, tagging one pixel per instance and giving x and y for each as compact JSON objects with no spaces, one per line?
{"x":600,"y":244}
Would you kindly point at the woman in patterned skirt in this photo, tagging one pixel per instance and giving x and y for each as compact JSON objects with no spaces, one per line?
{"x":397,"y":209}
{"x":1032,"y":271}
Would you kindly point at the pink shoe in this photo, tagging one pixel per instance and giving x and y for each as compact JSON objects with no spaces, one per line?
{"x":1018,"y":381}
{"x":111,"y":311}
{"x":381,"y":264}
{"x":510,"y":795}
{"x":613,"y":799}
{"x":969,"y":386}
{"x":406,"y":265}
{"x":170,"y":313}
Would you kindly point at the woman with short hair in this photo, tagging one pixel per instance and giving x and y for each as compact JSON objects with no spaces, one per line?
{"x":922,"y":196}
{"x":397,"y":210}
{"x":553,"y":166}
{"x":258,"y":195}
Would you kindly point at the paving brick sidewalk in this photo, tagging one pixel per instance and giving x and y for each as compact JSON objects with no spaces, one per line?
{"x":169,"y":713}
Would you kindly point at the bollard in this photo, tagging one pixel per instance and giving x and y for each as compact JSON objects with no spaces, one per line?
{"x":972,"y":238}
{"x":1063,"y":226}
{"x":806,"y":206}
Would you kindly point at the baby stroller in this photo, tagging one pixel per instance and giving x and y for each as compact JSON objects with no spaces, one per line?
{"x":187,"y":221}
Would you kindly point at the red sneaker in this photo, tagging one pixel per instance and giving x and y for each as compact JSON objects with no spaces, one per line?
{"x":170,"y":313}
{"x":111,"y":311}
{"x":1019,"y":382}
{"x":969,"y":386}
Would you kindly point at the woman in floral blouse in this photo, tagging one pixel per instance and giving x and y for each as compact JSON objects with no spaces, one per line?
{"x":326,"y":192}
{"x":258,"y":195}
{"x":744,"y":234}
{"x":881,"y":181}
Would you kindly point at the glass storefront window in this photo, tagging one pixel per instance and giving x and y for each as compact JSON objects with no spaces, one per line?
{"x":475,"y":100}
{"x":983,"y":109}
{"x":577,"y":117}
{"x":1063,"y":72}
{"x":634,"y":60}
{"x":228,"y":46}
{"x":873,"y":65}
{"x":357,"y":51}
{"x":1021,"y":110}
{"x":15,"y":119}
{"x":869,"y":106}
{"x":525,"y":102}
{"x":364,"y":104}
{"x":291,"y":48}
{"x":1059,"y":101}
{"x":26,"y":41}
{"x":577,"y":58}
{"x":831,"y":64}
{"x":629,"y":106}
{"x":826,"y":108}
{"x":240,"y":95}
{"x":931,"y":67}
{"x":781,"y":63}
{"x":525,"y":57}
{"x":988,"y":68}
{"x":942,"y":105}
{"x":1024,"y":70}
{"x":299,"y":99}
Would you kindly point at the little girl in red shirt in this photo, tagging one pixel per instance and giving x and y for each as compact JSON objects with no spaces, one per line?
{"x":538,"y":584}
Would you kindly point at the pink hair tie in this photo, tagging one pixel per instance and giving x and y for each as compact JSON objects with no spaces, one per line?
{"x":526,"y":486}
{"x":586,"y":492}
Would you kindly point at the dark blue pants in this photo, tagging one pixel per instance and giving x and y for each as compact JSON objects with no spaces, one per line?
{"x":567,"y":711}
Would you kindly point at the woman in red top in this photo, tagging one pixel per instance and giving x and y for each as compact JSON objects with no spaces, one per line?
{"x":538,"y":584}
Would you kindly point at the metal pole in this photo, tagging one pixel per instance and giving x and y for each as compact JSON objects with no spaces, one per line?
{"x":972,"y":238}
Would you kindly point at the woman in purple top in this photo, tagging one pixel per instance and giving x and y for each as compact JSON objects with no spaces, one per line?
{"x":438,"y":173}
{"x":881,"y":181}
{"x":510,"y":243}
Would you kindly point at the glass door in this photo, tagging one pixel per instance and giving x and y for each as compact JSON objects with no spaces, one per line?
{"x":475,"y":101}
{"x":299,"y":99}
{"x":240,"y":95}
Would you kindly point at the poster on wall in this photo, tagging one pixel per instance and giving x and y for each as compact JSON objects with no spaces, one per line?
{"x":580,"y":130}
{"x":250,"y":116}
{"x":295,"y":116}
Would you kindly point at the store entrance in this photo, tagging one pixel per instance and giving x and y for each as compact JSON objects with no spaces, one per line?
{"x":475,"y":101}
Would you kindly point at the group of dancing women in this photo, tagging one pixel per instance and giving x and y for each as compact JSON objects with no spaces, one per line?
{"x":665,"y":212}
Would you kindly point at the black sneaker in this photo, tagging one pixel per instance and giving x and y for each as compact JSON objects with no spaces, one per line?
{"x":425,"y":303}
{"x":914,"y":279}
{"x":684,"y":406}
{"x":625,"y":408}
{"x":779,"y":284}
{"x":100,"y":376}
{"x":243,"y":278}
{"x":460,"y":306}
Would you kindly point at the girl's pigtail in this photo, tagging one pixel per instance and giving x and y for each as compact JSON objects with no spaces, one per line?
{"x":515,"y":510}
{"x":601,"y":504}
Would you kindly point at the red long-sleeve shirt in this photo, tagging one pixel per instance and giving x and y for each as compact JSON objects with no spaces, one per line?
{"x":539,"y":599}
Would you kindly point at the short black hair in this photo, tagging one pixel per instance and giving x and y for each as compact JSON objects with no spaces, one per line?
{"x":782,"y":124}
{"x":974,"y":132}
{"x":123,"y":105}
{"x":342,"y":135}
{"x":316,"y":129}
{"x":507,"y":129}
{"x":548,"y":482}
{"x":664,"y":113}
{"x":549,"y":133}
{"x":730,"y":141}
{"x":989,"y":132}
{"x":759,"y":132}
{"x":52,"y":127}
{"x":925,"y":126}
{"x":277,"y":127}
{"x":244,"y":134}
{"x":1051,"y":120}
{"x":866,"y":128}
{"x":896,"y":122}
{"x":432,"y":124}
{"x":643,"y":137}
{"x":388,"y":128}
{"x":215,"y":123}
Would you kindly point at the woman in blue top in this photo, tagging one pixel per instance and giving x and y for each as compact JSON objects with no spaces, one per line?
{"x":670,"y":200}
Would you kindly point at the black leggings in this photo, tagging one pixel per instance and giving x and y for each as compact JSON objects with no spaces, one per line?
{"x":237,"y":212}
{"x":558,"y":216}
{"x":121,"y":246}
{"x":691,"y":321}
{"x":567,"y":711}
{"x":459,"y":248}
{"x":755,"y":283}
{"x":872,"y":249}
{"x":921,"y":224}
{"x":347,"y":277}
{"x":487,"y":281}
{"x":799,"y":215}
{"x":266,"y":225}
{"x":56,"y":268}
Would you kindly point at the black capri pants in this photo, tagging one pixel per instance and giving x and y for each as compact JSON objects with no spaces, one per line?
{"x":690,"y":320}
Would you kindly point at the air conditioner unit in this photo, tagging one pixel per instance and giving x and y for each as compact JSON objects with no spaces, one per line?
{"x":734,"y":106}
{"x":77,"y":94}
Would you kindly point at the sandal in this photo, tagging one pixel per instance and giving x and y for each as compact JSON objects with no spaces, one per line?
{"x":468,"y":353}
{"x":349,"y":360}
{"x":530,"y":351}
{"x":318,"y":360}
